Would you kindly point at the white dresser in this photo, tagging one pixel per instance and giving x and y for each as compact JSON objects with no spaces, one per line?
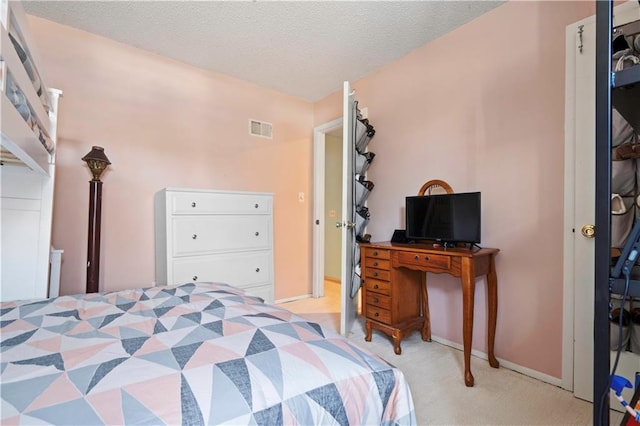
{"x":221,"y":236}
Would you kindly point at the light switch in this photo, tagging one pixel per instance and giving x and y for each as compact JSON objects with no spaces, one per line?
{"x":301,"y":197}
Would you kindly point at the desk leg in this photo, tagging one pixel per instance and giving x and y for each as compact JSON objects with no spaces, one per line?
{"x":468,"y":295}
{"x":426,"y":326}
{"x":492,"y":294}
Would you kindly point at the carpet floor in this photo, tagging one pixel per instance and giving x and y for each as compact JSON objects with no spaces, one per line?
{"x":435,"y":375}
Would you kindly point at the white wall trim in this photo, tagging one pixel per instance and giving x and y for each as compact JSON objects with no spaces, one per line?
{"x":292,"y":299}
{"x":503,"y":363}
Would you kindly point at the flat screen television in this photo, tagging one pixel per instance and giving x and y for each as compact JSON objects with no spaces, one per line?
{"x":444,"y":218}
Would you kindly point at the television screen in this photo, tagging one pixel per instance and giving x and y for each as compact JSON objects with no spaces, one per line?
{"x":444,"y":217}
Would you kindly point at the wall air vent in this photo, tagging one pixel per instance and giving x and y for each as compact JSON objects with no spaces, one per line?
{"x":261,"y":129}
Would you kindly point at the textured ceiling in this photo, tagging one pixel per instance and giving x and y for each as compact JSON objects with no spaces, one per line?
{"x":303,"y":48}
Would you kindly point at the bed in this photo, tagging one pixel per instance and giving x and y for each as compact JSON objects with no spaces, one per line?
{"x":197,"y":353}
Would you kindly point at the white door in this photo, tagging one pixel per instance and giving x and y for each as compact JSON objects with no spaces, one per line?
{"x":580,"y":204}
{"x":348,"y":307}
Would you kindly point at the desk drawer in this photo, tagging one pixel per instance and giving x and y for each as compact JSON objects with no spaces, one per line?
{"x":378,"y":314}
{"x":372,"y":262}
{"x":377,"y":253}
{"x":431,"y":262}
{"x":378,"y":274}
{"x":375,"y":299}
{"x":377,"y":286}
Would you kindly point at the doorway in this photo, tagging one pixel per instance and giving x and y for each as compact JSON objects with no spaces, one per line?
{"x":327,"y":202}
{"x":579,"y":249}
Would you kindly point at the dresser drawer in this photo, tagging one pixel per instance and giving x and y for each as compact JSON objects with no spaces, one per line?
{"x":240,"y":270}
{"x":379,"y":300}
{"x":379,"y":274}
{"x":209,"y":234}
{"x":430,"y":262}
{"x":372,"y":262}
{"x":378,"y":314}
{"x":220,"y":203}
{"x":377,"y":253}
{"x":382,"y":287}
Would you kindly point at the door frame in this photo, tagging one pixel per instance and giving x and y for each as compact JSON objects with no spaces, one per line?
{"x":570,"y":228}
{"x":319,"y":134}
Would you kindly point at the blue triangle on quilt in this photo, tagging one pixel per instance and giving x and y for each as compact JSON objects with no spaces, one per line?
{"x":6,"y":323}
{"x":236,"y":370}
{"x":198,"y":334}
{"x":384,"y":380}
{"x":132,"y":345}
{"x":161,"y":311}
{"x":270,"y":365}
{"x":259,"y":343}
{"x":331,"y":347}
{"x":54,"y":360}
{"x":161,"y":358}
{"x":16,"y":340}
{"x":21,"y":394}
{"x":30,"y":308}
{"x":328,"y":397}
{"x":102,"y":370}
{"x":109,"y":318}
{"x":284,"y":328}
{"x":68,"y":413}
{"x":191,"y":413}
{"x":183,"y":354}
{"x":164,"y":292}
{"x":215,"y":326}
{"x":126,"y":306}
{"x":214,"y":305}
{"x":193,"y":316}
{"x":269,"y":416}
{"x":236,"y":389}
{"x":72,"y":313}
{"x":135,"y":413}
{"x":5,"y":311}
{"x":182,"y":322}
{"x":159,"y":328}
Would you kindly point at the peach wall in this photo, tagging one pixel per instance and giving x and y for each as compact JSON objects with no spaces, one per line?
{"x":483,"y":109}
{"x":163,"y":123}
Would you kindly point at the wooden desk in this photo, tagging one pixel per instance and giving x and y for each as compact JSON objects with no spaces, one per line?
{"x":395,"y":298}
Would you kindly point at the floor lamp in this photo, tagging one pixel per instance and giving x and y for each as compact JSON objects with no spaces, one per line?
{"x":97,"y":162}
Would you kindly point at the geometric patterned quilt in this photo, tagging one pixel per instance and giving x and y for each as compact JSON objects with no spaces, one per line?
{"x":193,"y":354}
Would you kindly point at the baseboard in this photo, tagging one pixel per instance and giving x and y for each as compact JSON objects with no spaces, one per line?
{"x":332,"y":279}
{"x":292,"y":299}
{"x":503,"y":363}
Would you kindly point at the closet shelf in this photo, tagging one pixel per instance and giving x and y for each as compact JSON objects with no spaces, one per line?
{"x":617,"y":286}
{"x":626,"y":84}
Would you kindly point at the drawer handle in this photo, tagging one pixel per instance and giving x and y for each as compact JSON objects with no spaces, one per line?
{"x":193,"y":204}
{"x":416,"y":257}
{"x":376,"y":287}
{"x":194,"y":236}
{"x":375,"y":263}
{"x":257,"y":269}
{"x":375,"y":253}
{"x":257,"y":233}
{"x":377,"y":314}
{"x":256,"y":206}
{"x":375,"y":274}
{"x":376,"y":300}
{"x":195,"y":278}
{"x":426,"y":258}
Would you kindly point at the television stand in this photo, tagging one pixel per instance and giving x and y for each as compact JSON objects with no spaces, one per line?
{"x":395,"y":299}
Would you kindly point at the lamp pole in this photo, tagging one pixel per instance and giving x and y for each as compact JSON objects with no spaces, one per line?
{"x":97,"y":162}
